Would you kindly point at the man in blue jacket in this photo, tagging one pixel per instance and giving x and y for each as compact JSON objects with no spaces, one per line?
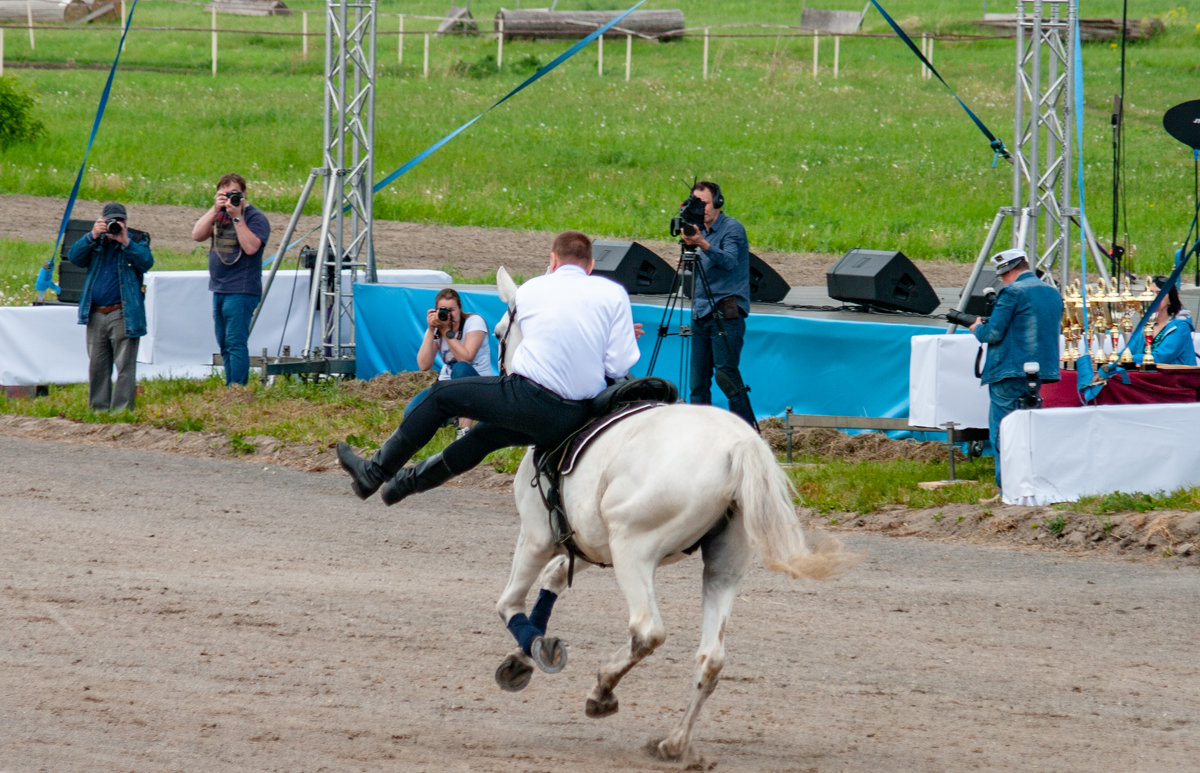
{"x":112,"y":305}
{"x":1024,"y":326}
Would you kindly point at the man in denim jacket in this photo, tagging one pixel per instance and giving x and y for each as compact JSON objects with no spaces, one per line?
{"x":1024,"y":327}
{"x":112,"y":305}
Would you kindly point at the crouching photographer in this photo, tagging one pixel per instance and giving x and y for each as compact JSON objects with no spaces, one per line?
{"x":460,"y":339}
{"x":1022,"y":336}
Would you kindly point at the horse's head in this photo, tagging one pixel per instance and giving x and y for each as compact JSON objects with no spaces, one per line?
{"x":507,"y":332}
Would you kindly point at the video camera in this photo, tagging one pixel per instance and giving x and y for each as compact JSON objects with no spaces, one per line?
{"x":690,"y":218}
{"x":1033,"y":387}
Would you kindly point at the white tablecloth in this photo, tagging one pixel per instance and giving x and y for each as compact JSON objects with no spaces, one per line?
{"x":45,"y":344}
{"x":942,"y":386}
{"x":1061,"y":454}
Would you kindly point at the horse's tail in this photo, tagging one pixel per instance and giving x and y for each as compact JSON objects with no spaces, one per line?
{"x":764,"y":497}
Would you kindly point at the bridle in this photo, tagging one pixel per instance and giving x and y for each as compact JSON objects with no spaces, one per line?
{"x":512,"y":320}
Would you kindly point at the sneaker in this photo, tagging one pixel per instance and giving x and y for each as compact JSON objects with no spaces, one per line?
{"x":462,"y":432}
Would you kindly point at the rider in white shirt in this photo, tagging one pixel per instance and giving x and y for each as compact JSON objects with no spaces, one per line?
{"x":577,"y":331}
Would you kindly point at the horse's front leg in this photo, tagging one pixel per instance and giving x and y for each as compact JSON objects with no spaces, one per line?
{"x":533,"y":557}
{"x":635,"y":576}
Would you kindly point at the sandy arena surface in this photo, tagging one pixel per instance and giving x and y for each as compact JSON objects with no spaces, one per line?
{"x":167,"y":607}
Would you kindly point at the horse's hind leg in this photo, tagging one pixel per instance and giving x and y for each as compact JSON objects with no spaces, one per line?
{"x":635,"y":576}
{"x":726,"y":557}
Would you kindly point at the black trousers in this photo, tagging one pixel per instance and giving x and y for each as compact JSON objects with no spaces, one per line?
{"x":511,"y":411}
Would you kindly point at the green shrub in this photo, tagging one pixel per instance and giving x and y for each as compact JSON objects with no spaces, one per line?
{"x":17,"y":123}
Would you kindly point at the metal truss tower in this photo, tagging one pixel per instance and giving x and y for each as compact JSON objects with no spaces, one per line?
{"x":1043,"y":153}
{"x":347,"y":176}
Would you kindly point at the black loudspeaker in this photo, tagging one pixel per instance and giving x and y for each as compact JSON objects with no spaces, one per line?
{"x":883,"y":279}
{"x":983,"y":297}
{"x":70,"y":276}
{"x":766,"y":285}
{"x":632,"y":266}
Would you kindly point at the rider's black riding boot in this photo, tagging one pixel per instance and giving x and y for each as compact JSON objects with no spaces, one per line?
{"x":430,"y":473}
{"x":367,"y":475}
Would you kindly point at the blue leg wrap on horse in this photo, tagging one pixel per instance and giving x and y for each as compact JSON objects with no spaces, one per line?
{"x":523,"y":631}
{"x":541,"y":610}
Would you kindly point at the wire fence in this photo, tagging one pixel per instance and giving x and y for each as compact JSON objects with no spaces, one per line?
{"x":425,"y":41}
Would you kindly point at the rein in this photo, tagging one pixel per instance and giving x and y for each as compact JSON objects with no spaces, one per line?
{"x":512,"y":320}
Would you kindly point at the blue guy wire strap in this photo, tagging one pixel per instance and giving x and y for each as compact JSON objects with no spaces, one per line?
{"x":429,"y":151}
{"x":48,"y":268}
{"x":994,"y":142}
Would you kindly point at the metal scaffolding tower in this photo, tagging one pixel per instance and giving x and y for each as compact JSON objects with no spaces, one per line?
{"x":1043,"y":154}
{"x":347,"y":177}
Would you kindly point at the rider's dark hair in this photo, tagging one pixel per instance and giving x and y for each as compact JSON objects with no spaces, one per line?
{"x":573,"y":247}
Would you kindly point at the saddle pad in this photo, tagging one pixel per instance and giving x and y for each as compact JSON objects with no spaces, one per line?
{"x":592,"y":431}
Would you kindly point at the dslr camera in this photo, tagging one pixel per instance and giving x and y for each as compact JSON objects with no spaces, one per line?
{"x":113,"y":226}
{"x":235,"y":197}
{"x":443,"y":313}
{"x":690,"y":218}
{"x":962,"y":319}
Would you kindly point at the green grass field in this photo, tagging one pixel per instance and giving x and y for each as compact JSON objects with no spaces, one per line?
{"x":876,"y":158}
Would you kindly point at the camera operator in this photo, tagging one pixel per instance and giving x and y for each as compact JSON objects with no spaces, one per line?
{"x":237,"y":232}
{"x":460,"y":339}
{"x":724,"y":257}
{"x":1024,"y":327}
{"x":112,"y":305}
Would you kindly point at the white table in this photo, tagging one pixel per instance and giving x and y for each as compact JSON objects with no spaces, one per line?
{"x":1062,"y":454}
{"x":46,"y":345}
{"x":942,"y":386}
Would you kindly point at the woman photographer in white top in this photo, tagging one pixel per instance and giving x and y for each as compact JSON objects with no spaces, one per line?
{"x":459,"y":338}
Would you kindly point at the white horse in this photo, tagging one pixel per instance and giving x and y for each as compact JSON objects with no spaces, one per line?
{"x":654,"y":485}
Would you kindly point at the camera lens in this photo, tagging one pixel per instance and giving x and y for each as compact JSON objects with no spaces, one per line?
{"x":235,"y":197}
{"x":443,"y":314}
{"x":114,"y":226}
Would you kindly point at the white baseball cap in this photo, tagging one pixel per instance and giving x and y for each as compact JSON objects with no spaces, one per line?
{"x":1006,"y":261}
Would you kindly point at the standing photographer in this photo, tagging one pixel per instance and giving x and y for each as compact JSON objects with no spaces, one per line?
{"x":112,"y":305}
{"x":237,"y":232}
{"x":460,"y":339}
{"x":724,"y":259}
{"x":1023,"y":328}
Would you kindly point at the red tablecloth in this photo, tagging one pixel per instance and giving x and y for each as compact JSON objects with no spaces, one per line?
{"x":1173,"y":385}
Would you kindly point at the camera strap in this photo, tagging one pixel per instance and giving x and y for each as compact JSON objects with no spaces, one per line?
{"x":979,"y":362}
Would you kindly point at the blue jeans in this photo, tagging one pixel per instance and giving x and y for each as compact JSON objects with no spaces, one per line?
{"x":709,"y":352}
{"x":231,"y":318}
{"x":457,"y":370}
{"x":1006,"y":395}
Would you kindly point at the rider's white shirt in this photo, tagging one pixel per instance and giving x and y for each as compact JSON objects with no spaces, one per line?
{"x":576,"y":329}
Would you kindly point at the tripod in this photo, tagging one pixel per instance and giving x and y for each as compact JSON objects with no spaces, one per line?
{"x":690,"y":268}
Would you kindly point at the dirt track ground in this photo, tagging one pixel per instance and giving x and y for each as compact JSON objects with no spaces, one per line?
{"x":166,"y":612}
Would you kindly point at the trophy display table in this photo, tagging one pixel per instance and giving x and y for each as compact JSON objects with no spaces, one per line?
{"x":1167,"y":385}
{"x":1061,"y":454}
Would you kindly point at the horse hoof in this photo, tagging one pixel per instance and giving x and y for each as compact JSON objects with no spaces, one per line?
{"x":513,"y":675}
{"x":549,"y":653}
{"x":601,"y":708}
{"x":667,"y":751}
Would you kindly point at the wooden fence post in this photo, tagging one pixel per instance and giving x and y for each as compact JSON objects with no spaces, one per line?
{"x":837,"y":50}
{"x":1,"y":52}
{"x":816,"y":45}
{"x":304,"y":36}
{"x":214,"y":42}
{"x":600,"y":56}
{"x":705,"y":64}
{"x":628,"y":55}
{"x":29,"y":15}
{"x":400,"y":43}
{"x":500,"y":45}
{"x":425,"y":66}
{"x":929,"y":56}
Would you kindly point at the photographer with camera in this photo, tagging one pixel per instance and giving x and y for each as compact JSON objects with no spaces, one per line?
{"x":723,"y":257}
{"x":237,"y":232}
{"x":1023,"y":330}
{"x":460,"y":339}
{"x":112,"y":305}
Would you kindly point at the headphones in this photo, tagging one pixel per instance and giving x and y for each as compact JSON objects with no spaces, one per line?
{"x":717,"y":196}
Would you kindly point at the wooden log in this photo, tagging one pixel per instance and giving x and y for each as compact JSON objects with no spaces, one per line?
{"x":249,"y":7}
{"x":1089,"y":29}
{"x":521,"y":23}
{"x":42,"y":10}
